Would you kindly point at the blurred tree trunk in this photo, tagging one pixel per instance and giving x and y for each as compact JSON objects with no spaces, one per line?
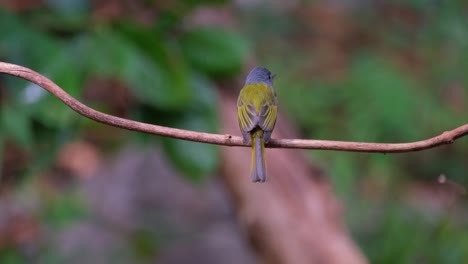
{"x":292,"y":218}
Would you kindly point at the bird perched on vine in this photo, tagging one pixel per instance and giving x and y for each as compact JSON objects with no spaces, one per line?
{"x":257,"y":109}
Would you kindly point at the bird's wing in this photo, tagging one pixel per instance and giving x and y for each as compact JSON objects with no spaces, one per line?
{"x":267,"y":119}
{"x":248,"y":119}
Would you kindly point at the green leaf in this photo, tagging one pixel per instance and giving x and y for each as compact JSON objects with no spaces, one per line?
{"x":215,"y":51}
{"x":164,"y":53}
{"x":196,"y":160}
{"x":45,"y":54}
{"x":110,"y":54}
{"x":22,"y":45}
{"x":15,"y":123}
{"x":62,"y":17}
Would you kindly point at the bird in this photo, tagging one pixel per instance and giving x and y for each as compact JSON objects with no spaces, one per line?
{"x":257,"y":109}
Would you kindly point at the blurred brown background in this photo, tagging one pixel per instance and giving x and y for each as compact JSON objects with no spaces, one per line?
{"x":74,"y":191}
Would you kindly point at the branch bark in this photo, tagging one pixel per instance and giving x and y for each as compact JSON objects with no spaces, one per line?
{"x":446,"y":137}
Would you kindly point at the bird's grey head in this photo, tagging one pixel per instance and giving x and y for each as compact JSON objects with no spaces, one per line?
{"x":260,"y":75}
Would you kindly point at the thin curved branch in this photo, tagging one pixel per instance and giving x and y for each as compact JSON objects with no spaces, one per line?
{"x":446,"y":137}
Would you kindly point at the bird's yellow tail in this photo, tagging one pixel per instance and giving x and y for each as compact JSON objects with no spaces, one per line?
{"x":258,"y":161}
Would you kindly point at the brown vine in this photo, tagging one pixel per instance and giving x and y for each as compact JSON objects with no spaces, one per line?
{"x":446,"y":137}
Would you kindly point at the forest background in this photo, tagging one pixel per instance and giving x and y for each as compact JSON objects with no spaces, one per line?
{"x":373,"y":71}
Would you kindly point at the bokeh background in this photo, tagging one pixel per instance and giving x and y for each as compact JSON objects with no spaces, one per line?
{"x":75,"y":191}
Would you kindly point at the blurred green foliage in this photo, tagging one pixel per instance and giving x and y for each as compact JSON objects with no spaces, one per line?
{"x":167,"y":70}
{"x":167,"y":67}
{"x":392,"y":71}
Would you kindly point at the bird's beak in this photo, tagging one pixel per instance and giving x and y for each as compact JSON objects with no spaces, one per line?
{"x":273,"y":76}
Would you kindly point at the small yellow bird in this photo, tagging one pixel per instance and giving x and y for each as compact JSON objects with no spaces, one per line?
{"x":257,"y":109}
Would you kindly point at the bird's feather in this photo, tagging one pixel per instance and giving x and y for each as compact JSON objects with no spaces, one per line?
{"x":257,"y":107}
